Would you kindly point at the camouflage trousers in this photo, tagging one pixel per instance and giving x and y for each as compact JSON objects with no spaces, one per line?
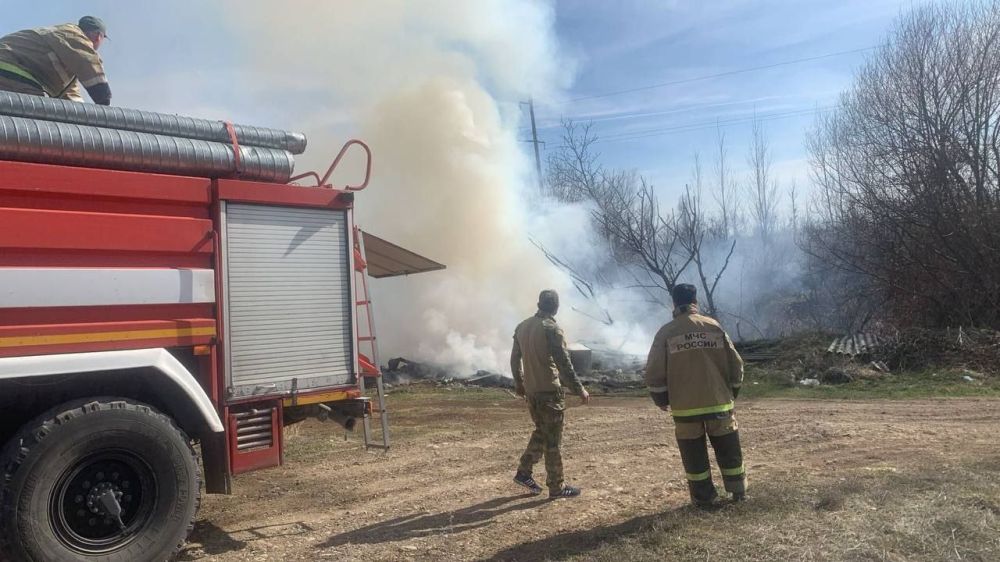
{"x":546,"y":410}
{"x":723,"y":433}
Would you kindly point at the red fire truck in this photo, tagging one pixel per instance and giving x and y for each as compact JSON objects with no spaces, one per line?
{"x":147,"y":318}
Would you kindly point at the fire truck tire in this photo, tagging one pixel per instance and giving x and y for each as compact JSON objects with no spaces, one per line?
{"x":67,"y":472}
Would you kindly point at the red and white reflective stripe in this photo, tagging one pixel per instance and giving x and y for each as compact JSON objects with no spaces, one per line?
{"x":51,"y":287}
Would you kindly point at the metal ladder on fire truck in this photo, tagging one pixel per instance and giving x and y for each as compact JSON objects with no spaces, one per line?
{"x":369,"y":364}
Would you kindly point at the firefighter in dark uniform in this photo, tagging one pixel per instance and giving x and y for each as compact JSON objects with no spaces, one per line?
{"x":694,"y":370}
{"x":538,"y":361}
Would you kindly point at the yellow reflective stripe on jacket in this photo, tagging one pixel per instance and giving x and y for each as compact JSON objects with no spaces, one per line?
{"x":732,"y":471}
{"x":14,"y":69}
{"x":700,"y":476}
{"x":706,"y":410}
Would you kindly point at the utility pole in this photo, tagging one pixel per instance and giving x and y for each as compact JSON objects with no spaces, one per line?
{"x":534,"y":140}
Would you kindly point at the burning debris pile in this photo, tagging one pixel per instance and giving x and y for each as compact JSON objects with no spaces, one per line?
{"x":605,"y":371}
{"x":402,"y":371}
{"x":805,"y":359}
{"x":612,"y":371}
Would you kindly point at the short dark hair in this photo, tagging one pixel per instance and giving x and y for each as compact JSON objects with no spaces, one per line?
{"x":684,"y":294}
{"x":548,"y":301}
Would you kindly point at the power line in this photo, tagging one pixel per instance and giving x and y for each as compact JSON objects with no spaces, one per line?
{"x":634,"y":135}
{"x":700,"y":124}
{"x":721,"y":74}
{"x":712,"y":124}
{"x":648,"y":113}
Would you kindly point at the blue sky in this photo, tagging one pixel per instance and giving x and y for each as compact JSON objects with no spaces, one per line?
{"x":635,"y":43}
{"x":180,"y":56}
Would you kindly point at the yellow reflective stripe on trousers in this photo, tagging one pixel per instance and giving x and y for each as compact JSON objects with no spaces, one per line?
{"x":732,"y":471}
{"x":14,"y":69}
{"x":706,"y":410}
{"x":700,"y":476}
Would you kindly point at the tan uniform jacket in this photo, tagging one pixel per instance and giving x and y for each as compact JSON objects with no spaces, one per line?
{"x":58,"y":58}
{"x":693,"y":359}
{"x":539,"y":345}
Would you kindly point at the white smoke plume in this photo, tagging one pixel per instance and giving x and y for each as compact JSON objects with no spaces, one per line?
{"x":434,"y":87}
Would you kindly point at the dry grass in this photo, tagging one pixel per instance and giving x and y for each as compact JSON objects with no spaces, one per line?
{"x":830,"y":480}
{"x":927,"y":513}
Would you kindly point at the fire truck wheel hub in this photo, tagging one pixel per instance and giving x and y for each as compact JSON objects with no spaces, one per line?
{"x":101,"y":502}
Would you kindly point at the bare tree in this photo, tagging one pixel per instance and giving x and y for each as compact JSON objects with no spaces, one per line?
{"x":574,"y":170}
{"x":908,"y":170}
{"x":625,"y":209}
{"x":586,"y":285}
{"x":725,"y":190}
{"x":762,"y":189}
{"x":793,"y":196}
{"x":641,"y":234}
{"x":693,"y":231}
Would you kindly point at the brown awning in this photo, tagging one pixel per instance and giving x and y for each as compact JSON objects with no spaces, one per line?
{"x":386,"y":259}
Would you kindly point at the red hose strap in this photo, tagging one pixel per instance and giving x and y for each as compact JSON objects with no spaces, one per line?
{"x":236,"y":147}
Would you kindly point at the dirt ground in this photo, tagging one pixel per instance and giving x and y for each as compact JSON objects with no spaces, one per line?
{"x":444,"y":491}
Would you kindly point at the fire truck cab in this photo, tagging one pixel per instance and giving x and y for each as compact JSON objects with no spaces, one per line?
{"x":148,"y":321}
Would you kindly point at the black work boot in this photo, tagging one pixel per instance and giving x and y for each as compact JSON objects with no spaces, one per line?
{"x":528,"y":482}
{"x":703,"y":493}
{"x":566,"y":492}
{"x":739,"y":497}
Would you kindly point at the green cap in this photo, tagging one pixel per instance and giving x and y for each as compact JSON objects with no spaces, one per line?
{"x":90,"y":23}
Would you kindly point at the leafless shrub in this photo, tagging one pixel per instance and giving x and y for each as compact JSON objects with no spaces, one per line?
{"x":725,"y":194}
{"x":762,"y":190}
{"x":908,"y":170}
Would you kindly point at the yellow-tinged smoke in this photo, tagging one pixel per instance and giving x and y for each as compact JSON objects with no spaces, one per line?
{"x":453,"y":172}
{"x":434,"y":87}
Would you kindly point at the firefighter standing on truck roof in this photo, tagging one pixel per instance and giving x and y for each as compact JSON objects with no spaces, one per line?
{"x":54,"y":61}
{"x":694,"y":369}
{"x":540,"y":347}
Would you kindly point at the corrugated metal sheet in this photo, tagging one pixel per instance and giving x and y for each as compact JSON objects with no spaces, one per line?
{"x":386,"y":259}
{"x":855,"y":344}
{"x":289,"y":299}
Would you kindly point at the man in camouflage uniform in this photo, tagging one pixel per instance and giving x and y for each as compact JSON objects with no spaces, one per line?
{"x":54,"y":61}
{"x":538,"y":361}
{"x":694,"y":370}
